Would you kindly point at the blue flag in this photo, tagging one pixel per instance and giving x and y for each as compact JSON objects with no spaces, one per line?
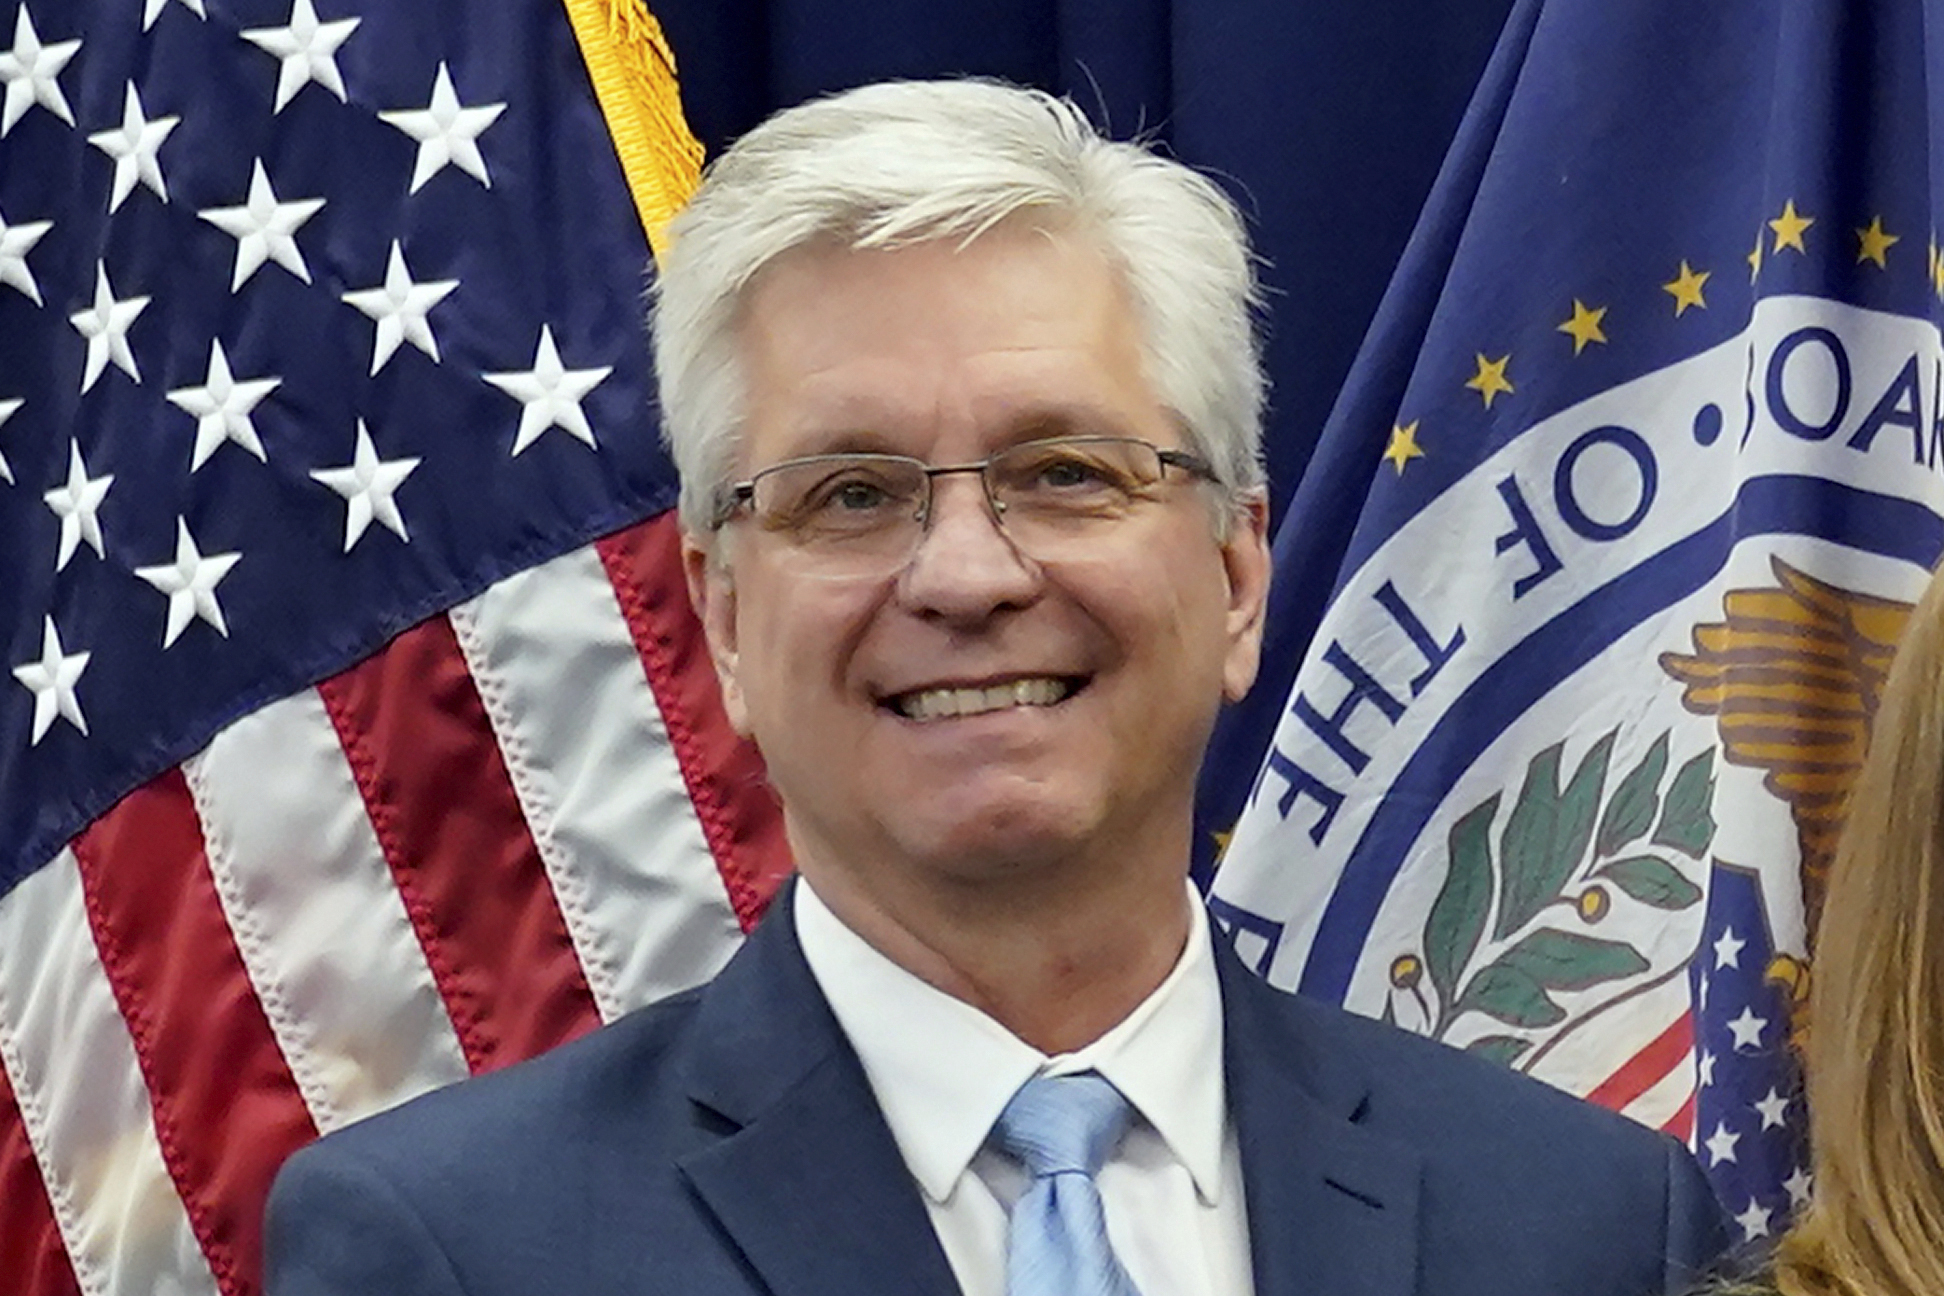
{"x":1585,"y":603}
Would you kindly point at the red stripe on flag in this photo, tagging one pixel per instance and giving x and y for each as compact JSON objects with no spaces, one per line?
{"x":227,"y":1111}
{"x":31,"y":1252}
{"x":1681,"y":1123}
{"x":1648,"y":1067}
{"x":739,"y":814}
{"x":422,"y":752}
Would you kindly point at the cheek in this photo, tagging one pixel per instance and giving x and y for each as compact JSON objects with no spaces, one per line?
{"x":1164,"y":621}
{"x":1187,"y":593}
{"x":797,"y":638}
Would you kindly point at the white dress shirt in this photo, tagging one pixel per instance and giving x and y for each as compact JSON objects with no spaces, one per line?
{"x":942,"y":1072}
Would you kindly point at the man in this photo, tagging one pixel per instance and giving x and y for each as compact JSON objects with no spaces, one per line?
{"x":966,"y":407}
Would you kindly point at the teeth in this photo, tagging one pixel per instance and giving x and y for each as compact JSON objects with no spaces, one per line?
{"x":938,"y":704}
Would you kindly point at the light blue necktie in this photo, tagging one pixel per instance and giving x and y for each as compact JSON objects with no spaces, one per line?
{"x":1061,"y":1128}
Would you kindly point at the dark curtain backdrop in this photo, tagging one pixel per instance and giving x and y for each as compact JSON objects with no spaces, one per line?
{"x":1327,"y":119}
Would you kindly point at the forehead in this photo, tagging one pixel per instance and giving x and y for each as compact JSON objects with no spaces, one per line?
{"x":1023,"y":331}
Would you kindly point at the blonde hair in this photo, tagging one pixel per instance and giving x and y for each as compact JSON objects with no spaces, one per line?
{"x":1875,"y":1053}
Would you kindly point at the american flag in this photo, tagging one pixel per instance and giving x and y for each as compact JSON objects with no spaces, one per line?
{"x":355,"y":735}
{"x":1753,"y":1125}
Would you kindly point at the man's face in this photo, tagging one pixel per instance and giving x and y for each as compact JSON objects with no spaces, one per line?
{"x":948,"y":354}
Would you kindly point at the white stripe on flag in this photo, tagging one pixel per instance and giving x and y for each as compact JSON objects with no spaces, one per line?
{"x":1582,"y":1061}
{"x":598,"y":781}
{"x":83,"y":1099}
{"x":1667,"y":1096}
{"x":317,"y":919}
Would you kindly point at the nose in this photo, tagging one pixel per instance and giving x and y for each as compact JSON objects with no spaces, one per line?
{"x":965,"y":567}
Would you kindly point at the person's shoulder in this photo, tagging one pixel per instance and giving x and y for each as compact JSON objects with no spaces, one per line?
{"x":565,"y":1096}
{"x":1411,"y":1077}
{"x":1408,"y":1063}
{"x":512,"y":1181}
{"x":1546,"y":1188}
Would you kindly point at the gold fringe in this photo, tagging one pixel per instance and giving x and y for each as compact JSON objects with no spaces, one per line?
{"x":633,"y":70}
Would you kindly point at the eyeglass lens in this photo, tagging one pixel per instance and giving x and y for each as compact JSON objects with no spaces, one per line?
{"x":861,"y":514}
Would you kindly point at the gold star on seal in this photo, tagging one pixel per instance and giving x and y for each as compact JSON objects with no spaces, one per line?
{"x":1875,"y":242}
{"x":1686,"y":289}
{"x":1584,"y":327}
{"x":1789,"y":228}
{"x":1490,"y":380}
{"x":1403,"y":445}
{"x":1755,"y":258}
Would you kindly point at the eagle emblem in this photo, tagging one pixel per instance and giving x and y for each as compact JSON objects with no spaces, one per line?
{"x":1793,"y":674}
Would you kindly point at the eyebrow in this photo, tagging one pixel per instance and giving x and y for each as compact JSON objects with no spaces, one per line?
{"x":1033,"y":423}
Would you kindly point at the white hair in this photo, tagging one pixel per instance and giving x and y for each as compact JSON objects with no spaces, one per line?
{"x":908,"y":161}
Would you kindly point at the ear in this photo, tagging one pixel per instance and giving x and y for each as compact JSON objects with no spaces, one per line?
{"x":712,"y":593}
{"x":1245,"y":558}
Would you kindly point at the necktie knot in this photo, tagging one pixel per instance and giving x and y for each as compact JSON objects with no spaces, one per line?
{"x":1062,"y":1129}
{"x":1063,"y":1124}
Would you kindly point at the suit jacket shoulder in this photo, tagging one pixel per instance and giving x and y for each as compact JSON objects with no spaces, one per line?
{"x":724,"y":1141}
{"x":1394,"y":1164}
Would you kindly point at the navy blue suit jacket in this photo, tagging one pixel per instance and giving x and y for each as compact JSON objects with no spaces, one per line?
{"x":726,"y":1141}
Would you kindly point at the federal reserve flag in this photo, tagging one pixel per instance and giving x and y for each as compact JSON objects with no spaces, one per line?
{"x":1644,"y":453}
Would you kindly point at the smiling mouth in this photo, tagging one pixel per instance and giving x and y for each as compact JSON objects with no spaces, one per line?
{"x":945,"y":703}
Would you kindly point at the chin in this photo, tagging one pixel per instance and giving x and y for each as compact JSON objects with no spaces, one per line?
{"x":994,"y":841}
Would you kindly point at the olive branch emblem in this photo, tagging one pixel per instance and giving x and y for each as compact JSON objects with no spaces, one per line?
{"x":1559,"y":848}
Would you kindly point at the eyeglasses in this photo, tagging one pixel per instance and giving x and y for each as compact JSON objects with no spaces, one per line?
{"x":858,"y":515}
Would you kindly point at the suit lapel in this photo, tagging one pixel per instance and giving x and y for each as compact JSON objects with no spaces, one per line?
{"x":808,"y":1182}
{"x":1332,"y":1207}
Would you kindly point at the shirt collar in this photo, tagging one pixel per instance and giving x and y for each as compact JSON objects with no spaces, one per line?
{"x":942,"y":1070}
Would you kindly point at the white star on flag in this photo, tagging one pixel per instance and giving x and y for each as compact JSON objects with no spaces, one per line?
{"x":367,"y":484}
{"x":105,"y":325}
{"x":447,"y":133}
{"x":30,"y":69}
{"x":52,"y":680}
{"x":1707,"y":1068}
{"x":1727,"y":950}
{"x":222,"y":407}
{"x":1754,"y":1221}
{"x":399,"y":306}
{"x":1799,"y":1185}
{"x":552,"y":394}
{"x":1748,"y":1029}
{"x":155,"y":7}
{"x":16,"y":241}
{"x":8,"y":408}
{"x":308,"y":49}
{"x":264,"y":229}
{"x":133,"y":145}
{"x":78,"y":505}
{"x":1721,"y":1145}
{"x":1773,"y":1109}
{"x":190,"y":582}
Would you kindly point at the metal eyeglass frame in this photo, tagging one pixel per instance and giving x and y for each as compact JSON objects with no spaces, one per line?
{"x":739,"y":496}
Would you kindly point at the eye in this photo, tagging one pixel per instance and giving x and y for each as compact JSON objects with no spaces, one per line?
{"x":839,"y":495}
{"x":856,"y":496}
{"x":853,"y":491}
{"x":1067,"y":471}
